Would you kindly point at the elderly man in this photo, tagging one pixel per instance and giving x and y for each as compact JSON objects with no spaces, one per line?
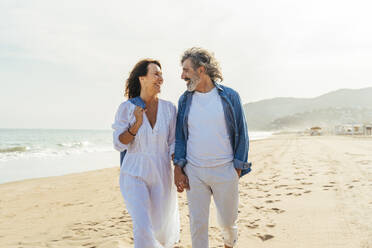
{"x":211,"y":150}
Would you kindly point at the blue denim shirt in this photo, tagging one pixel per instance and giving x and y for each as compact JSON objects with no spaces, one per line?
{"x":138,"y":102}
{"x":235,"y":122}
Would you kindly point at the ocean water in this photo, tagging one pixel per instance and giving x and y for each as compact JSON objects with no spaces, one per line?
{"x":43,"y":143}
{"x":34,"y":153}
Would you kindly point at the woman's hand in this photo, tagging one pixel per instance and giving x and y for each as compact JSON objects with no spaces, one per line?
{"x":127,"y":136}
{"x":138,"y":113}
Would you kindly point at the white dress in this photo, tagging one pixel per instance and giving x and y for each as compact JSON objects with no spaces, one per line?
{"x":146,"y":176}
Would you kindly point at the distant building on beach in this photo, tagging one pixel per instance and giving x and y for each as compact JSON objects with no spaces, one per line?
{"x":315,"y":131}
{"x":353,"y":129}
{"x":368,"y":129}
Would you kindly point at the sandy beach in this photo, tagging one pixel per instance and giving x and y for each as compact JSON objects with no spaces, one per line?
{"x":303,"y":192}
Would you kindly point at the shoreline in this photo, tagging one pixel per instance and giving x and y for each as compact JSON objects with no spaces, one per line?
{"x":34,"y":168}
{"x":27,"y":168}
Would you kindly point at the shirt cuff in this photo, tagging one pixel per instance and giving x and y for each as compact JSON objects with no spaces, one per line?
{"x":179,"y":162}
{"x":117,"y":144}
{"x":238,"y":164}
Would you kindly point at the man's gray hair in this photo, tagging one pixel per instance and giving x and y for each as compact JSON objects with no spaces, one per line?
{"x":201,"y":57}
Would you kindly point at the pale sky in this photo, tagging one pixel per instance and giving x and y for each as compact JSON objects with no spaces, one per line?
{"x":63,"y":63}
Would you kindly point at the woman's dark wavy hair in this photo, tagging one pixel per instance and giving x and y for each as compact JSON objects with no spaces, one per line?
{"x":133,"y":86}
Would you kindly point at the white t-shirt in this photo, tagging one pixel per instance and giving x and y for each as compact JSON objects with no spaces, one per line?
{"x":208,"y":144}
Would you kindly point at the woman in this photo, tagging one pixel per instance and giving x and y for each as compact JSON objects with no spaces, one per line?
{"x":144,"y":127}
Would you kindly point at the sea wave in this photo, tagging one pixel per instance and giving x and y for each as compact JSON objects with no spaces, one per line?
{"x":42,"y":143}
{"x":14,"y":149}
{"x":74,"y":144}
{"x":22,"y":153}
{"x":259,"y":135}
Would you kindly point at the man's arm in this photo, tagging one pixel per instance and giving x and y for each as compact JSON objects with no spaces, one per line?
{"x":241,"y":153}
{"x":179,"y":160}
{"x":180,"y":144}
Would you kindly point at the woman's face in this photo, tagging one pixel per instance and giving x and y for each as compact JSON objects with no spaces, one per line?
{"x":153,"y":80}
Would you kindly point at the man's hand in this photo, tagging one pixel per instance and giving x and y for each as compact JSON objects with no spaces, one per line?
{"x":180,"y":179}
{"x":239,"y":171}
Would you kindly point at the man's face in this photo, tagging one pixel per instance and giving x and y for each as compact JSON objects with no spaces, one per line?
{"x":191,"y":76}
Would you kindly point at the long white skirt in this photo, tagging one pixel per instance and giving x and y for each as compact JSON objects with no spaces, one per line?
{"x":153,"y":208}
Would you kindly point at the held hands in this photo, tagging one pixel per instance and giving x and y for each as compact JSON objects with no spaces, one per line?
{"x":180,"y":179}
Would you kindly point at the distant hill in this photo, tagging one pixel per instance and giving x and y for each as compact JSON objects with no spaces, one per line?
{"x":338,"y":107}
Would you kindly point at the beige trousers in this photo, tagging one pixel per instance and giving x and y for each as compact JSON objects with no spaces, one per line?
{"x":222,"y":183}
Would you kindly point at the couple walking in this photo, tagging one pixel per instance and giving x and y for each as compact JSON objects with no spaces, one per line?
{"x":206,"y":138}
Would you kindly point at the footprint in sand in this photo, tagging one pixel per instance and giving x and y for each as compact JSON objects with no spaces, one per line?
{"x":305,"y":183}
{"x":66,"y":237}
{"x":280,"y":186}
{"x":264,"y":237}
{"x":278,"y":211}
{"x":90,"y":244}
{"x":252,"y":226}
{"x":214,"y":228}
{"x":300,"y":173}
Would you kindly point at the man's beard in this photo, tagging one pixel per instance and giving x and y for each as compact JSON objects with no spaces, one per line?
{"x":192,"y":84}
